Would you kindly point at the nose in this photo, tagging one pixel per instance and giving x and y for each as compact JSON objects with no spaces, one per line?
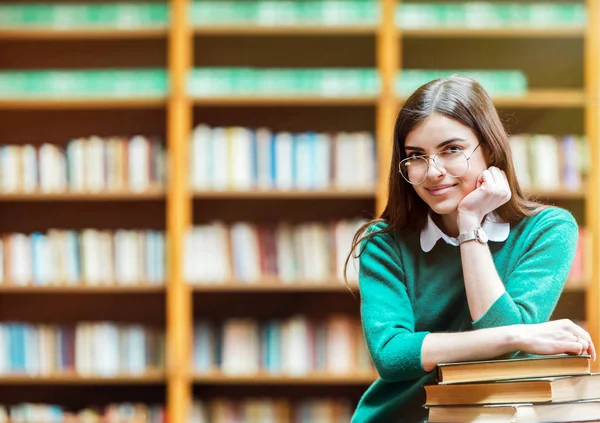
{"x":433,"y":170}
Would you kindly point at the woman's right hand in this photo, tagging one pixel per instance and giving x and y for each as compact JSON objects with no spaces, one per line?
{"x":554,"y":337}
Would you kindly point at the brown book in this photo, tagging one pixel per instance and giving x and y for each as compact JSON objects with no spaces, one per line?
{"x":515,"y":368}
{"x":583,"y":411}
{"x":556,"y":389}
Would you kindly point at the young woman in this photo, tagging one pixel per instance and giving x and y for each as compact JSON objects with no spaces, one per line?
{"x":460,"y":266}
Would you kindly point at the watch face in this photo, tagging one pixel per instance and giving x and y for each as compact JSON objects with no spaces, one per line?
{"x":482,"y":236}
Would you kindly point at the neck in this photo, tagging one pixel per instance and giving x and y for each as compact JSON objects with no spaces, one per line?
{"x":447,"y":223}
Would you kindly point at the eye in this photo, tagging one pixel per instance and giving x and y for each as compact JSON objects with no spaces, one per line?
{"x":453,"y":149}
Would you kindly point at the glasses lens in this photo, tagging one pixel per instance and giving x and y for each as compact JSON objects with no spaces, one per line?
{"x":414,"y":169}
{"x":453,"y":161}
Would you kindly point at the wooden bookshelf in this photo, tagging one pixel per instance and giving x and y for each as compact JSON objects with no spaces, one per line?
{"x":292,"y":194}
{"x":262,"y":379}
{"x":83,"y":290}
{"x":271,"y":287}
{"x":493,"y":32}
{"x":304,"y":30}
{"x":82,"y":103}
{"x":99,"y":196}
{"x":286,"y":101}
{"x":78,"y":34}
{"x":151,"y":378}
{"x":390,"y":54}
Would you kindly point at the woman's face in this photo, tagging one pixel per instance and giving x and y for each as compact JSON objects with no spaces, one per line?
{"x":437,"y":133}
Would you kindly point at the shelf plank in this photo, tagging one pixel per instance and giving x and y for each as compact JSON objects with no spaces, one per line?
{"x":285,"y":101}
{"x":219,"y":378}
{"x":150,"y":378}
{"x":538,"y":98}
{"x":82,"y":103}
{"x":299,"y":30}
{"x":277,"y":194}
{"x":77,"y":196}
{"x":566,"y":32}
{"x":80,"y":33}
{"x":111,"y":289}
{"x":272,"y":287}
{"x":559,"y":194}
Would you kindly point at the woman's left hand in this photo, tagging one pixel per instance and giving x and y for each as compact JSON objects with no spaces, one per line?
{"x":492,"y":191}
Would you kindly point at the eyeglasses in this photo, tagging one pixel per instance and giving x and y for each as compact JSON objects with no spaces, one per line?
{"x":450,"y":162}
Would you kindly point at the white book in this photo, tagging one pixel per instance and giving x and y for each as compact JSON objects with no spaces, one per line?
{"x":201,"y":163}
{"x":29,"y":168}
{"x":241,"y":141}
{"x":286,"y":260}
{"x":21,"y":259}
{"x":137,"y":351}
{"x":304,"y":164}
{"x":139,"y":162}
{"x":322,"y":174}
{"x":297,"y":361}
{"x":83,"y":349}
{"x":90,"y":252}
{"x":32,"y":352}
{"x":94,"y":164}
{"x":547,"y":169}
{"x":107,"y":257}
{"x":367,"y":159}
{"x":521,"y":160}
{"x":264,"y":156}
{"x":284,"y":161}
{"x":76,"y":165}
{"x":2,"y":279}
{"x":73,"y":257}
{"x":10,"y":169}
{"x":220,"y":159}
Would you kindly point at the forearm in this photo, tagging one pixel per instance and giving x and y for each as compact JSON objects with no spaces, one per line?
{"x":483,"y":286}
{"x":480,"y":344}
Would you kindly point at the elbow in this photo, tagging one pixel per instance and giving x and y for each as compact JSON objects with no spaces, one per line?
{"x":398,"y":364}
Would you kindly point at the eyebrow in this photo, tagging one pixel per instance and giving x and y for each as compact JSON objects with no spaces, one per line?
{"x":440,"y":145}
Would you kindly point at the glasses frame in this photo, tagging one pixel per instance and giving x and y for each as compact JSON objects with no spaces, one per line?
{"x":430,"y":158}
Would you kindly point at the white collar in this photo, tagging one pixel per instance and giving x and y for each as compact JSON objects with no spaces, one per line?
{"x":496,"y":229}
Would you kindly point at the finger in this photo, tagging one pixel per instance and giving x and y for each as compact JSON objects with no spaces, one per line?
{"x":486,"y":177}
{"x":584,"y":335}
{"x":571,"y":347}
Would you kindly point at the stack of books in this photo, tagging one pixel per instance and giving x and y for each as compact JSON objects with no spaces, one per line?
{"x":551,"y":388}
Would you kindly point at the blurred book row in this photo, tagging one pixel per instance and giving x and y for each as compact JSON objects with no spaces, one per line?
{"x":91,"y":83}
{"x":579,"y":275}
{"x":547,"y":162}
{"x":484,"y":14}
{"x":217,"y":253}
{"x":101,"y":349}
{"x":207,"y":82}
{"x":111,"y":413}
{"x":87,"y":258}
{"x":130,"y":15}
{"x":237,"y":158}
{"x":65,"y":15}
{"x":285,"y":12}
{"x":271,"y":410}
{"x":296,"y":346}
{"x":91,"y":164}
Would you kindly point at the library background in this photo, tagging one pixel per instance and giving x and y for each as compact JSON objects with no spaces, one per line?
{"x":178,"y":189}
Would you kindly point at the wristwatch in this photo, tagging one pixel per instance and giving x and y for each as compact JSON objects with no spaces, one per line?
{"x":477,"y":234}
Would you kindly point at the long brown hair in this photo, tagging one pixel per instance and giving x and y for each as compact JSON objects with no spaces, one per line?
{"x":465,"y":101}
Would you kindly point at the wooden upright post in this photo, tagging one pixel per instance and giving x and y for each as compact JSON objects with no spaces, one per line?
{"x":179,"y":312}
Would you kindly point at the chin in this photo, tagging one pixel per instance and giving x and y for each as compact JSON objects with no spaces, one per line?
{"x":444,"y":207}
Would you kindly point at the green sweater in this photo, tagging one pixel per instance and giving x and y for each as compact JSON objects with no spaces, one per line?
{"x":406,"y":294}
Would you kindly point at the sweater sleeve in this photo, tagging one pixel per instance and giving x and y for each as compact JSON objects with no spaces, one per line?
{"x":534,"y":287}
{"x":386,"y":312}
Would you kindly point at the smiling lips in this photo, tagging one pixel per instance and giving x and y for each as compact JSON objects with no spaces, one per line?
{"x":440,"y":189}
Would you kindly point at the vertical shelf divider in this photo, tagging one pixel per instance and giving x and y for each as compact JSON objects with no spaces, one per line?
{"x":388,"y":63}
{"x":178,"y":306}
{"x":592,"y":129}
